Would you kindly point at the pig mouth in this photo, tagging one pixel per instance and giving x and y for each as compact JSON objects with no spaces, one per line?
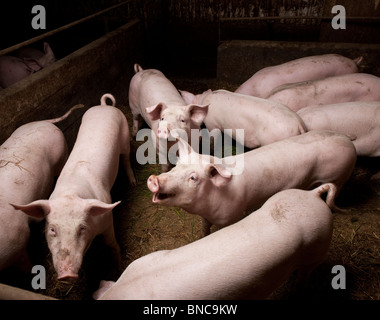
{"x":159,"y":197}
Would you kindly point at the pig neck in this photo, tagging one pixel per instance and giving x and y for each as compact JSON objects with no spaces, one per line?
{"x":222,"y":205}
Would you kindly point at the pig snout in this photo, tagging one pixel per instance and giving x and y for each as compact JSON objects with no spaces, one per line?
{"x":153,"y":184}
{"x":163,"y":132}
{"x":68,"y":276}
{"x":65,"y":265}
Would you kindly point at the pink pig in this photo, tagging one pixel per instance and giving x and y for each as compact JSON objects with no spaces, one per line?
{"x":263,"y":121}
{"x":359,"y":120}
{"x":345,"y":88}
{"x":247,"y":260}
{"x":29,"y":160}
{"x":303,"y":69}
{"x":13,"y":69}
{"x":215,"y":190}
{"x":154,"y":98}
{"x":80,"y":206}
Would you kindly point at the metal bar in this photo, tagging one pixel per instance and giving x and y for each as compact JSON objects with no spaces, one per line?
{"x":67,"y":26}
{"x":13,"y":293}
{"x":369,"y":19}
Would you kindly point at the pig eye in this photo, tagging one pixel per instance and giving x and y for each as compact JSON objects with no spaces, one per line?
{"x":182,"y":120}
{"x":81,"y":229}
{"x":193,"y":177}
{"x":52,"y":231}
{"x":162,"y":119}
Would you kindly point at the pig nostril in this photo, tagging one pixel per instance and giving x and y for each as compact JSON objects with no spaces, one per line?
{"x":153,"y":183}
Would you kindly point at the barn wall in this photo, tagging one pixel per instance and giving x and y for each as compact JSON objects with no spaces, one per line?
{"x":105,"y":65}
{"x":238,"y":60}
{"x":195,"y":28}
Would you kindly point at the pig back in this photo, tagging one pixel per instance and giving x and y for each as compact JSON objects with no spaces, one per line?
{"x":29,"y":160}
{"x":272,"y":242}
{"x":302,"y":161}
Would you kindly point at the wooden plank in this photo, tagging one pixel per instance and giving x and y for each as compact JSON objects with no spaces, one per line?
{"x":81,"y":77}
{"x":13,"y":293}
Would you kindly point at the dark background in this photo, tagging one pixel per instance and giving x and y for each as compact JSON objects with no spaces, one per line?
{"x":178,"y":31}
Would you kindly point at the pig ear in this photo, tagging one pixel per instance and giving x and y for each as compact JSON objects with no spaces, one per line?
{"x":185,"y":152}
{"x":188,"y":97}
{"x":96,"y":207}
{"x":154,"y":112}
{"x":219,"y":176}
{"x":47,"y":48}
{"x":197,"y":112}
{"x":37,"y":209}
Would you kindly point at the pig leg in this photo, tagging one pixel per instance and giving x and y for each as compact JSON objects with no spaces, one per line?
{"x":137,"y":124}
{"x":206,"y":226}
{"x":24,"y":263}
{"x":110,"y":240}
{"x":303,"y":275}
{"x":125,"y":159}
{"x":103,"y":287}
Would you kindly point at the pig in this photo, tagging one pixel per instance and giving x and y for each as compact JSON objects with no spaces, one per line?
{"x":359,"y":120}
{"x":303,"y":69}
{"x":29,"y":160}
{"x":13,"y":69}
{"x":291,"y":231}
{"x":263,"y":121}
{"x":345,"y":88}
{"x":214,"y":189}
{"x":43,"y":59}
{"x":80,"y":206}
{"x":154,"y":98}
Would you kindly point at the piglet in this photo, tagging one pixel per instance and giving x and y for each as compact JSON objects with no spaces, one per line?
{"x":291,"y":231}
{"x":13,"y":69}
{"x":29,"y":160}
{"x":345,"y":88}
{"x":359,"y":120}
{"x":221,"y":190}
{"x":154,"y":98}
{"x":80,"y":206}
{"x":263,"y":121}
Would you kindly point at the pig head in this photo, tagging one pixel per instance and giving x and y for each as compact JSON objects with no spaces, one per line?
{"x":14,"y":69}
{"x":71,"y":226}
{"x":154,"y":98}
{"x":43,"y":59}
